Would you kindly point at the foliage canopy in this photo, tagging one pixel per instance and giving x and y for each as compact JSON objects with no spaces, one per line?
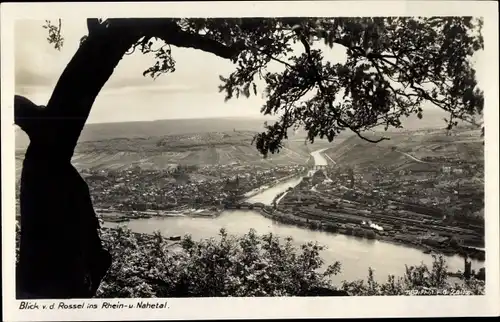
{"x":392,"y":66}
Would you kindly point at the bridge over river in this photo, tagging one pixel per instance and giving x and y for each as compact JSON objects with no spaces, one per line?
{"x":355,"y":254}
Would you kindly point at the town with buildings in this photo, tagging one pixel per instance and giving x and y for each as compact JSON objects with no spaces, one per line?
{"x":433,"y":204}
{"x":408,"y":210}
{"x":441,"y":212}
{"x":203,"y":191}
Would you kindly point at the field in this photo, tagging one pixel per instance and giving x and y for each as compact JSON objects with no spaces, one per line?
{"x":187,"y":146}
{"x":160,"y":128}
{"x":127,"y":130}
{"x":422,"y":148}
{"x":158,"y":144}
{"x":226,"y":154}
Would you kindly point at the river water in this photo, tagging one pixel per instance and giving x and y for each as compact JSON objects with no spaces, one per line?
{"x":355,"y":254}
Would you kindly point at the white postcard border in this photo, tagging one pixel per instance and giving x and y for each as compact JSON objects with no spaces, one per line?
{"x":220,"y":308}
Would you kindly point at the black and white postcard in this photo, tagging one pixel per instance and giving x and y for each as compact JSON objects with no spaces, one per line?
{"x":208,"y":160}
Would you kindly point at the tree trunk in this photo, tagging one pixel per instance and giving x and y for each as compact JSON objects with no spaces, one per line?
{"x":59,"y":243}
{"x":61,"y":255}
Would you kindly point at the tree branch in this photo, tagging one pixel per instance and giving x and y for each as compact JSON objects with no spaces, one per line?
{"x":423,"y":93}
{"x":171,"y":33}
{"x":323,"y":90}
{"x":96,"y":59}
{"x":365,"y":138}
{"x":372,"y":57}
{"x":93,"y":24}
{"x":27,"y":115}
{"x":276,"y":59}
{"x":132,"y":50}
{"x":81,"y":82}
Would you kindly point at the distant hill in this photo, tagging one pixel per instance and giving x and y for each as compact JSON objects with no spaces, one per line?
{"x":410,"y":149}
{"x":106,"y":131}
{"x":433,"y":118}
{"x":157,"y":144}
{"x":199,"y":149}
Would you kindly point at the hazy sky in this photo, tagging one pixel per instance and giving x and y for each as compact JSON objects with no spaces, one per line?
{"x":191,"y":91}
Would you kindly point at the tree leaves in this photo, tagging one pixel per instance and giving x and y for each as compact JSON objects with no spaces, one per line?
{"x":393,"y":66}
{"x":165,"y":62}
{"x":55,"y":37}
{"x":248,"y":265}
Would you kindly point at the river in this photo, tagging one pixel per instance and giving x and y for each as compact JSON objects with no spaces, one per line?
{"x":355,"y":254}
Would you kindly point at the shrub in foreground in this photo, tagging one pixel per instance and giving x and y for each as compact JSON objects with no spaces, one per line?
{"x":248,"y":265}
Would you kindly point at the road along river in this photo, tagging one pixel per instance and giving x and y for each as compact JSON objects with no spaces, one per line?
{"x":355,"y":254}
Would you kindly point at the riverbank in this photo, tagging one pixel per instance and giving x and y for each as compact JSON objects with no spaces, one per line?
{"x":356,"y":255}
{"x":366,"y":233}
{"x":261,"y":189}
{"x":320,"y":203}
{"x":304,"y":220}
{"x":133,"y":268}
{"x":117,"y":217}
{"x":318,"y":217}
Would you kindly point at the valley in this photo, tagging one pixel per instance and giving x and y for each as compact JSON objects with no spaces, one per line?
{"x":422,"y":188}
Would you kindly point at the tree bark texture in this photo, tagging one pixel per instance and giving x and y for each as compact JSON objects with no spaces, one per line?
{"x":61,"y":255}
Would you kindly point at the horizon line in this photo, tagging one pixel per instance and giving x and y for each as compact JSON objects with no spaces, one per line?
{"x":257,"y":117}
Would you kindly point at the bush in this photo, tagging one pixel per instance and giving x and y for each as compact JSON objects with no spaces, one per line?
{"x":249,"y":265}
{"x":418,"y":280}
